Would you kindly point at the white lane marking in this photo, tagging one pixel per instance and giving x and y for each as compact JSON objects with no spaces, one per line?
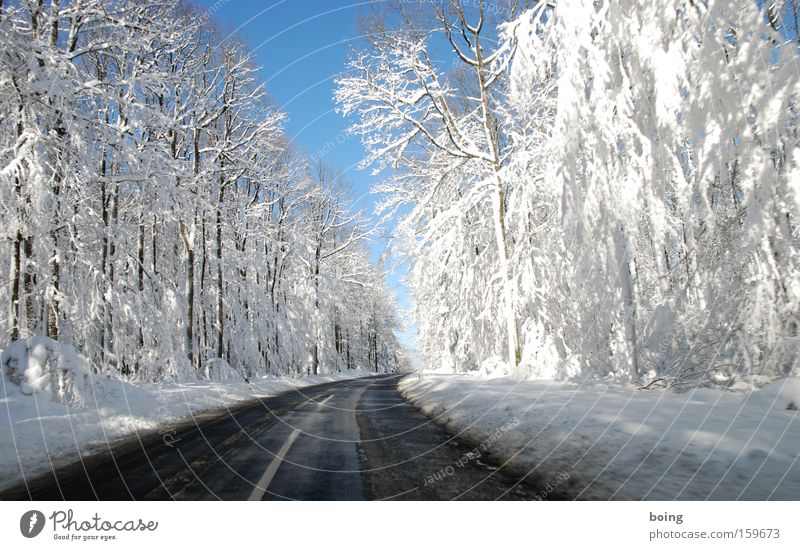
{"x":325,"y":400}
{"x":266,"y":479}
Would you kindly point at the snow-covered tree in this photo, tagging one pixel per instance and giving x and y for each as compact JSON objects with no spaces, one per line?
{"x":154,"y":215}
{"x":674,"y":140}
{"x":638,"y":161}
{"x":439,"y":131}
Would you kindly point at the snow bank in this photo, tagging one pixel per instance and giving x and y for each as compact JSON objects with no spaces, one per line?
{"x":54,"y":410}
{"x":42,"y":365}
{"x":615,"y":442}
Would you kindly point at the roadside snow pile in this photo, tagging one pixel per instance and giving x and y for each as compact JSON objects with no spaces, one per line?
{"x":614,"y":442}
{"x":42,"y":365}
{"x":53,"y":409}
{"x":783,"y":394}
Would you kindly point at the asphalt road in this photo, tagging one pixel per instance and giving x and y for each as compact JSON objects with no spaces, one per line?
{"x":348,"y":440}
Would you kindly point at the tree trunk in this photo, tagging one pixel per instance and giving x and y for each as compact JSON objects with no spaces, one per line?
{"x":315,"y":354}
{"x":512,"y":326}
{"x":154,"y":245}
{"x":220,"y":290}
{"x":29,"y":281}
{"x":55,"y":269}
{"x":188,"y":244}
{"x":629,"y":299}
{"x":499,"y":214}
{"x":53,"y":310}
{"x":203,"y":264}
{"x":16,"y":276}
{"x":15,"y":286}
{"x":140,"y":285}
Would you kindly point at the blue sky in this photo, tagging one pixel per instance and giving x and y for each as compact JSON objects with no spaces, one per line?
{"x":302,"y":45}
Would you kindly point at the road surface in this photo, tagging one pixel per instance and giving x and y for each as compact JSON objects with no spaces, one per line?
{"x":347,"y":440}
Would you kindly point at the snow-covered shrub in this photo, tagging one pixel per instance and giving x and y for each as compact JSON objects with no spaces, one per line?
{"x":43,"y":366}
{"x":544,"y":355}
{"x":218,"y":370}
{"x":665,"y":348}
{"x":493,"y":367}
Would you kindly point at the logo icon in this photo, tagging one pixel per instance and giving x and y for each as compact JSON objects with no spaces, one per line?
{"x":31,"y":523}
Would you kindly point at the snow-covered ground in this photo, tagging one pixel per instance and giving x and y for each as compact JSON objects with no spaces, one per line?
{"x":46,"y":420}
{"x":595,"y":440}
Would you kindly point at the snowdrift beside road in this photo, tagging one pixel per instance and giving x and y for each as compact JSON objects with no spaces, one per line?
{"x":44,"y":366}
{"x":598,"y":441}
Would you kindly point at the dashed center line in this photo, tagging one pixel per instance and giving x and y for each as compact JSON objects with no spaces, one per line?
{"x":266,"y":479}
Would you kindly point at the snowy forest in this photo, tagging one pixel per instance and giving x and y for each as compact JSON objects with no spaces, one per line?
{"x":603,"y":188}
{"x":400,"y":250}
{"x":155,"y":216}
{"x":579,"y":188}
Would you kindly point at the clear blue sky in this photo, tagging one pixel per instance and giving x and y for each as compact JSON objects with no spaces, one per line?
{"x":302,"y":45}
